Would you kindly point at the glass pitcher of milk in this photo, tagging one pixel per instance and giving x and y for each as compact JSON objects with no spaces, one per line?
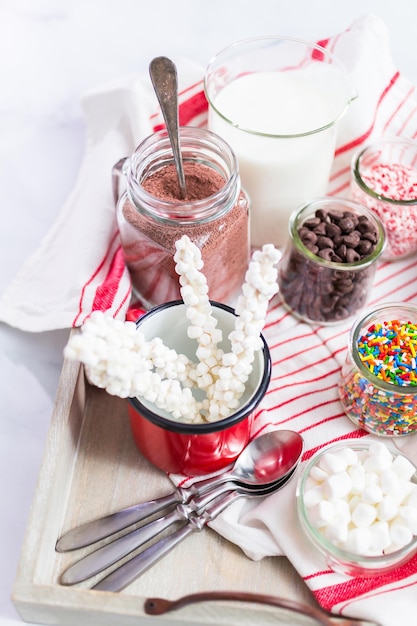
{"x":277,"y":102}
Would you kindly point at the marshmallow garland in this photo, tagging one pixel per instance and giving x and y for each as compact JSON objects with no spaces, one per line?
{"x":363,"y":501}
{"x":118,"y":358}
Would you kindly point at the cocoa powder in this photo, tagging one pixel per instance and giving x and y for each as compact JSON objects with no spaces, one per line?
{"x":200,"y":181}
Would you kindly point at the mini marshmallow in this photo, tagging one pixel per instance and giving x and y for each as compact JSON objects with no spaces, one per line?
{"x":313,"y":496}
{"x":372,"y":494}
{"x":332,"y":463}
{"x":380,"y":537}
{"x":358,"y":540}
{"x":412,"y":495}
{"x":408,"y":514}
{"x":390,"y":482}
{"x":400,"y":534}
{"x":337,"y":486}
{"x":349,"y":455}
{"x":377,"y":463}
{"x":337,"y":530}
{"x":318,"y":474}
{"x":229,"y":359}
{"x":403,"y":468}
{"x":387,"y":509}
{"x":371,"y":478}
{"x":321,"y":513}
{"x":363,"y":515}
{"x":116,"y":355}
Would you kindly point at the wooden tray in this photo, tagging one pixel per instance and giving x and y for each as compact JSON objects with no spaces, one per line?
{"x":91,"y":467}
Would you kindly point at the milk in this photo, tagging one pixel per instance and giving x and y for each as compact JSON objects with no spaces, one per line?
{"x":279,"y":171}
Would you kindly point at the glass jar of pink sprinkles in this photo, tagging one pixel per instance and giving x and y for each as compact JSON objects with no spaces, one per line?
{"x":384,"y":179}
{"x":378,"y":384}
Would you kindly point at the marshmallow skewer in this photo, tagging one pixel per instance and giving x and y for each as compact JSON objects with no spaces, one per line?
{"x":119,"y":359}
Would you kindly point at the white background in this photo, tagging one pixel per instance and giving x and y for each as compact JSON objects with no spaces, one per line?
{"x":51,"y":51}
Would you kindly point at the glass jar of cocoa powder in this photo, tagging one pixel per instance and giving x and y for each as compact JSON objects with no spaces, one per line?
{"x":215,"y":215}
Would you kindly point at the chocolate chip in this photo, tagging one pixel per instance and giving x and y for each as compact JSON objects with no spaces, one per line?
{"x":324,"y":242}
{"x":371,"y":236}
{"x":341,"y":251}
{"x":346,"y":224}
{"x":333,"y":230}
{"x":323,"y":215}
{"x":352,"y":256}
{"x":312,"y":222}
{"x":320,"y":229}
{"x":326,"y":253}
{"x":364,"y":247}
{"x":307,"y":235}
{"x":353,"y":239}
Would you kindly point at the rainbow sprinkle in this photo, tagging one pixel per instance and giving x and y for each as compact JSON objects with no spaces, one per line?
{"x":388,"y":350}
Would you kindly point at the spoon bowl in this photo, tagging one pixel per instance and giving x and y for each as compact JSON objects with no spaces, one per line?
{"x":265,"y":460}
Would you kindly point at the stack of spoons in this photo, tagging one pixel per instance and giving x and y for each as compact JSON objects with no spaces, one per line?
{"x":264,"y":466}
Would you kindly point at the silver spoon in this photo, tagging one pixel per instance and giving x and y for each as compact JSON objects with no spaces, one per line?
{"x":265,"y":460}
{"x":100,"y":559}
{"x":164,"y":79}
{"x":130,"y":570}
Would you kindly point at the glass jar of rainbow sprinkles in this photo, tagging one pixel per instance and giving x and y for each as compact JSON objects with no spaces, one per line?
{"x":378,"y":386}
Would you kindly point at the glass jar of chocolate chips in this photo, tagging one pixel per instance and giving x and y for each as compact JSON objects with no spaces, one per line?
{"x":215,"y":215}
{"x":329,"y":263}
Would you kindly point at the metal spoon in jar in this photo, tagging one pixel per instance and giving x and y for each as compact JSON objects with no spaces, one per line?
{"x":264,"y":461}
{"x":164,"y":79}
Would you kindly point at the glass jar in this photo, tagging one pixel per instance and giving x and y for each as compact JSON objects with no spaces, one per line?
{"x":218,"y":224}
{"x":378,"y":388}
{"x":330,"y":538}
{"x":384,"y":179}
{"x":329,"y":262}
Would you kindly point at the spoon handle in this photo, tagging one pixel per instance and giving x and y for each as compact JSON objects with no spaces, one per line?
{"x":91,"y":532}
{"x":102,"y":528}
{"x":139,"y":564}
{"x":164,"y":78}
{"x":101,"y":558}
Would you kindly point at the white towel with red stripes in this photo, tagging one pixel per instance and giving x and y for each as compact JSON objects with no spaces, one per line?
{"x":58,"y":287}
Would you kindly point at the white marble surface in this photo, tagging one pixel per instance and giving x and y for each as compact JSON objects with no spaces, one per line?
{"x":51,"y":51}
